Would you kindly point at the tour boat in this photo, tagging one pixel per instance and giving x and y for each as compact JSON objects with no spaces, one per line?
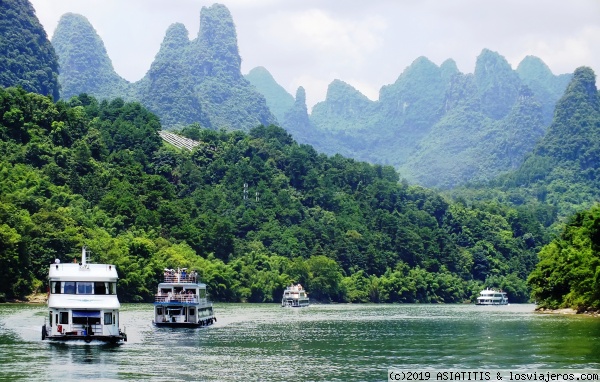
{"x":181,"y":301}
{"x":294,"y":296}
{"x":83,"y":302}
{"x":492,"y":297}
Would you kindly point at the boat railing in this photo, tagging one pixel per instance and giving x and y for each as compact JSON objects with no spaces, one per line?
{"x":182,"y":297}
{"x":181,"y":278}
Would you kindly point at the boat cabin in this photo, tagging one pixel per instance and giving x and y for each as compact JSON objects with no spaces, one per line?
{"x":294,"y":296}
{"x":181,"y":300}
{"x":83,"y":302}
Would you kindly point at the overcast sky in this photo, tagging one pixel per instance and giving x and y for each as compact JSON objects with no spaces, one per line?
{"x":366,"y":43}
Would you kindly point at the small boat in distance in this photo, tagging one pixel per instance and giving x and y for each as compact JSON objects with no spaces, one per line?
{"x":492,"y":297}
{"x":181,"y":301}
{"x":294,"y":296}
{"x":83,"y":302}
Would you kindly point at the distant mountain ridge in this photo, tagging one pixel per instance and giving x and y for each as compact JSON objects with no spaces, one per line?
{"x":437,"y":126}
{"x":560,"y":176}
{"x":278,"y":99}
{"x":84,"y":63}
{"x":197,"y":81}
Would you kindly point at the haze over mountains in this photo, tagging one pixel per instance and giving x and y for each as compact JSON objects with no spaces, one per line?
{"x":190,"y":81}
{"x":439,"y":127}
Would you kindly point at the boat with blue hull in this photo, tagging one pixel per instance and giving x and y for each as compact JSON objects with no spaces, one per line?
{"x":181,"y":301}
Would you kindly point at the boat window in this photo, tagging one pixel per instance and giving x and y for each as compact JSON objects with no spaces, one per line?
{"x":192,"y":311}
{"x":50,"y":319}
{"x":159,"y":311}
{"x":64,"y":317}
{"x":84,"y":287}
{"x":113,"y":288}
{"x":56,"y":287}
{"x":202,"y":293}
{"x":69,"y":287}
{"x":99,"y":288}
{"x":108,"y":318}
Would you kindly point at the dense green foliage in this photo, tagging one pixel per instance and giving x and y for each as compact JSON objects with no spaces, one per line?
{"x":568,"y":273}
{"x":27,"y":58}
{"x":84,"y":63}
{"x":94,"y":173}
{"x":560,"y":177}
{"x":558,"y":182}
{"x":166,"y":89}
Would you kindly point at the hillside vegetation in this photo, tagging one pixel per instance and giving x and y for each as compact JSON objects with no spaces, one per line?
{"x":94,"y":173}
{"x":27,"y":58}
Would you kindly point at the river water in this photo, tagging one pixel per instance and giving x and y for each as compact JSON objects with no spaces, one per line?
{"x":264,"y":342}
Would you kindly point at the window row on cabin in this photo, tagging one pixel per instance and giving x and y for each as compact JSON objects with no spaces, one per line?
{"x":83,"y":287}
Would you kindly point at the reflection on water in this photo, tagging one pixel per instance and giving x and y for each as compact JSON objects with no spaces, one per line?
{"x":253,"y":342}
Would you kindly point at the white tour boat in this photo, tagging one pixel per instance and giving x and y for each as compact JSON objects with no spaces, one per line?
{"x":83,"y":302}
{"x":181,"y":301}
{"x":492,"y":297}
{"x":294,"y":296}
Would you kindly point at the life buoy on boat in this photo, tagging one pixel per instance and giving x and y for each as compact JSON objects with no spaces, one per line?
{"x":59,"y":328}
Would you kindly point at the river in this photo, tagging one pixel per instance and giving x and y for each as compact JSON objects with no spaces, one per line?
{"x":337,"y":342}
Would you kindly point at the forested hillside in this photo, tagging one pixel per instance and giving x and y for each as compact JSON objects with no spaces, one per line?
{"x":253,"y":211}
{"x":94,"y":173}
{"x":84,"y":63}
{"x":27,"y":58}
{"x":568,"y":273}
{"x":560,"y":177}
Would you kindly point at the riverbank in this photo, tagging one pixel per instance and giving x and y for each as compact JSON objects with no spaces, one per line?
{"x":34,"y":298}
{"x":566,"y":311}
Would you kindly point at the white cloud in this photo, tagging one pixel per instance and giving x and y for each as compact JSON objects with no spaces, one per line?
{"x":564,"y":55}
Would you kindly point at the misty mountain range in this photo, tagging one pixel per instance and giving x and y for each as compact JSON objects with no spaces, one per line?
{"x":439,"y":127}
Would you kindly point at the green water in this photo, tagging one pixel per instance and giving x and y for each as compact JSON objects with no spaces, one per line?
{"x":264,"y":342}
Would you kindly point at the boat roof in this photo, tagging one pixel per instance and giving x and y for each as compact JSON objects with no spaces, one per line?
{"x":295,"y":288}
{"x":82,"y":272}
{"x":491,"y":291}
{"x":83,"y":301}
